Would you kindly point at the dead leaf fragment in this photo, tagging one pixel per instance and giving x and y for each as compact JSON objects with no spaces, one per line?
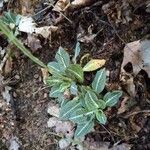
{"x":61,"y":127}
{"x":33,"y":42}
{"x":137,"y":53}
{"x":28,"y":25}
{"x":94,"y":64}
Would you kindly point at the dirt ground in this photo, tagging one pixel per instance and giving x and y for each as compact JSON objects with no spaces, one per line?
{"x":26,"y":117}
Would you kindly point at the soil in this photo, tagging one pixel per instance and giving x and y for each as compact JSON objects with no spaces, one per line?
{"x":29,"y":94}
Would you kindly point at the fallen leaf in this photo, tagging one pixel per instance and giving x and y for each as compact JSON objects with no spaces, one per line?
{"x":45,"y":74}
{"x":137,"y":53}
{"x":123,"y":106}
{"x":33,"y":42}
{"x":94,"y":64}
{"x":61,"y":127}
{"x":64,"y":143}
{"x":28,"y":25}
{"x":53,"y":110}
{"x":8,"y":66}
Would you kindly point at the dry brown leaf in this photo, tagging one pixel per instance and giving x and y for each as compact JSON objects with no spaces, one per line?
{"x":53,"y":110}
{"x":123,"y":106}
{"x":33,"y":42}
{"x":8,"y":66}
{"x":45,"y":74}
{"x":61,"y":127}
{"x":137,"y":53}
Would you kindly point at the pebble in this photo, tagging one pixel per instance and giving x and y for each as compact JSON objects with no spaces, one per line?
{"x":17,"y":77}
{"x":36,"y":76}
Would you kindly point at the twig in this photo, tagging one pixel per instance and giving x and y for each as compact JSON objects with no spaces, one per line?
{"x":108,"y":133}
{"x":41,"y":11}
{"x":136,"y":112}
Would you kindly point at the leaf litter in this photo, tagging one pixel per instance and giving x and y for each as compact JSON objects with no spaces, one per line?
{"x":122,"y":13}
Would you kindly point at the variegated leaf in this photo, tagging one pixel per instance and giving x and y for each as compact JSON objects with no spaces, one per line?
{"x":91,"y":100}
{"x":69,"y":108}
{"x":74,"y":89}
{"x":84,"y":128}
{"x":75,"y":72}
{"x":101,"y":117}
{"x":80,"y":115}
{"x":62,"y":58}
{"x":54,"y":66}
{"x":55,"y":91}
{"x":111,"y":98}
{"x":77,"y":51}
{"x":99,"y":81}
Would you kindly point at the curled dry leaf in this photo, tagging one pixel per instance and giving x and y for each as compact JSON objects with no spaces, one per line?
{"x":94,"y":64}
{"x":137,"y":53}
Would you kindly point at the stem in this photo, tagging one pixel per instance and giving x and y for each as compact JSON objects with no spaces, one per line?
{"x":19,"y":44}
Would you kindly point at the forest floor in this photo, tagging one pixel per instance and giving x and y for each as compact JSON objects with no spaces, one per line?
{"x":103,"y":28}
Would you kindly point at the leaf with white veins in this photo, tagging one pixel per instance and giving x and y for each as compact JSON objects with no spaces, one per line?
{"x":99,"y":81}
{"x":111,"y":98}
{"x":84,"y":128}
{"x":91,"y":100}
{"x":75,"y":72}
{"x":63,"y":58}
{"x":69,"y":108}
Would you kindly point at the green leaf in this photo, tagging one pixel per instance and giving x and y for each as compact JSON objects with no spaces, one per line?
{"x":84,"y":128}
{"x":63,"y":58}
{"x":80,"y":115}
{"x":55,"y":91}
{"x":64,"y":86}
{"x":74,"y":88}
{"x":77,"y":51}
{"x":101,"y":104}
{"x":111,"y":98}
{"x":51,"y":81}
{"x":94,"y":64}
{"x":99,"y":81}
{"x":75,"y":72}
{"x":11,"y":18}
{"x":91,"y":100}
{"x":69,"y":108}
{"x":61,"y":99}
{"x":101,"y":117}
{"x":54,"y":66}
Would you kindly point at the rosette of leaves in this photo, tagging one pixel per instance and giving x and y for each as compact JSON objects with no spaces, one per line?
{"x":89,"y":106}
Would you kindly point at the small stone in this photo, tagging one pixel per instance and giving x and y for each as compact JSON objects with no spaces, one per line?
{"x":17,"y":77}
{"x":45,"y":95}
{"x":36,"y":76}
{"x":14,"y":94}
{"x":64,"y":143}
